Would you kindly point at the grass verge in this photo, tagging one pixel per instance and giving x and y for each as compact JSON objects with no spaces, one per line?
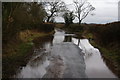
{"x":19,"y":53}
{"x":111,"y":57}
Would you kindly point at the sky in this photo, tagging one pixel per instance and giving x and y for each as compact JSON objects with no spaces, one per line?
{"x":106,"y":11}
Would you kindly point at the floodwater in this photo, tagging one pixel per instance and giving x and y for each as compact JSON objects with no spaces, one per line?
{"x":45,"y":63}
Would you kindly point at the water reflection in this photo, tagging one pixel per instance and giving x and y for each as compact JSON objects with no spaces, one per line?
{"x":58,"y":36}
{"x":112,"y":67}
{"x":95,"y":66}
{"x":36,"y":68}
{"x":78,"y":42}
{"x":68,"y":39}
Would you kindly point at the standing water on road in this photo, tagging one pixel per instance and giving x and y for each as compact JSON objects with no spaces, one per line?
{"x":46,"y":64}
{"x":95,"y":66}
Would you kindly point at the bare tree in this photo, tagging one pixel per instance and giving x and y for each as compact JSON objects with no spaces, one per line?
{"x":82,"y":9}
{"x":53,"y":8}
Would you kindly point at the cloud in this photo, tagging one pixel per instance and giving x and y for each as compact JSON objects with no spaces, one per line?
{"x":106,"y":11}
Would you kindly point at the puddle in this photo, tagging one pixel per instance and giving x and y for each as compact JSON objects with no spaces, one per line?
{"x":42,"y":63}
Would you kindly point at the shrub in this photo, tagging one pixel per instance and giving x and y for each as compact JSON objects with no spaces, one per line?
{"x":75,"y":28}
{"x":106,"y":34}
{"x":46,"y":27}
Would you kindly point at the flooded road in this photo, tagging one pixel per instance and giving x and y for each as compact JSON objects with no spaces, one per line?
{"x":95,"y":66}
{"x":53,"y":59}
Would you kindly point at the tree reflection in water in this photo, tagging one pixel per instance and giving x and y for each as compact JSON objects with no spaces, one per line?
{"x":68,"y":39}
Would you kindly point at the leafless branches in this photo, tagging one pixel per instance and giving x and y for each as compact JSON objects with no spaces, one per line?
{"x":82,"y":9}
{"x":52,"y":8}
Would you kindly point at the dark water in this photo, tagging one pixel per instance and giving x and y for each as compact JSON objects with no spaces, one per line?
{"x":36,"y":68}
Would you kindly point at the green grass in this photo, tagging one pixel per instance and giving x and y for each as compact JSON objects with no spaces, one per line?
{"x":110,"y":54}
{"x":19,"y":55}
{"x":89,"y":35}
{"x":29,"y":39}
{"x":11,"y":63}
{"x":24,"y":47}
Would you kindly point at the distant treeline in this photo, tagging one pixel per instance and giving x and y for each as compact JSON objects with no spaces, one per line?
{"x":106,"y":34}
{"x":19,"y":16}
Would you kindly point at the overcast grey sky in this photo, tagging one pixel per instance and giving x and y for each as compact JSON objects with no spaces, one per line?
{"x":106,"y":11}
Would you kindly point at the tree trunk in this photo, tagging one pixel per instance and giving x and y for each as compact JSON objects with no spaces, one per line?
{"x":48,"y":19}
{"x":79,"y":21}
